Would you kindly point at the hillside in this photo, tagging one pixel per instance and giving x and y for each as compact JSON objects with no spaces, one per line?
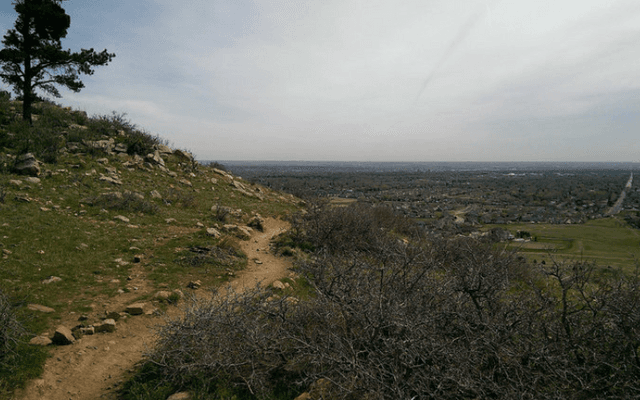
{"x":96,"y":215}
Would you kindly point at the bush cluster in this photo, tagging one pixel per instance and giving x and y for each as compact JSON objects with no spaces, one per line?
{"x":397,"y":316}
{"x":10,"y":329}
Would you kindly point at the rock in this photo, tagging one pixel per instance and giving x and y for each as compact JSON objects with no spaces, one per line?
{"x":155,"y":158}
{"x":110,"y":179}
{"x":185,"y":155}
{"x":136,"y":308}
{"x":114,"y":315}
{"x":163,"y":149}
{"x":40,"y":341}
{"x":27,"y":164}
{"x":63,"y":336}
{"x":108,"y":325}
{"x":155,"y":194}
{"x":138,"y":258}
{"x":303,"y":396}
{"x":194,"y":284}
{"x":51,"y":279}
{"x":241,"y":232}
{"x":170,"y":220}
{"x":121,"y":218}
{"x":180,"y":396}
{"x":32,"y":179}
{"x":278,"y":285}
{"x":179,"y":293}
{"x":15,"y":182}
{"x":213,"y":232}
{"x":89,"y":330}
{"x":185,"y":182}
{"x":102,"y":160}
{"x":38,"y":307}
{"x":104,"y":145}
{"x":257,"y":222}
{"x":121,"y":148}
{"x":162,"y":295}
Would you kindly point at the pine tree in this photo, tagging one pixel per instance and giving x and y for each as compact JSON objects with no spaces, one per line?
{"x":33,"y":58}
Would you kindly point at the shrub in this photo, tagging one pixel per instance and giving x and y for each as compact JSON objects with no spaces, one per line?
{"x":402,"y":319}
{"x":127,"y":201}
{"x":10,"y":329}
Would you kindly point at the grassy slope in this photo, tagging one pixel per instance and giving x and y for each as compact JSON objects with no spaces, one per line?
{"x":56,"y":228}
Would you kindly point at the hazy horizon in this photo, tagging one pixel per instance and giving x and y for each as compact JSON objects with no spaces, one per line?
{"x":443,"y":81}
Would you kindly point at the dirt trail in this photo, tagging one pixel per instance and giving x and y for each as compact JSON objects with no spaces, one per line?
{"x":93,"y":367}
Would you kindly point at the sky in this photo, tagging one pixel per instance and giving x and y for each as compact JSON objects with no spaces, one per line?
{"x":368,"y":80}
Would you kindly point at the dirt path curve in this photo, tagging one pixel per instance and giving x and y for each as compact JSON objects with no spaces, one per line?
{"x":94,"y":366}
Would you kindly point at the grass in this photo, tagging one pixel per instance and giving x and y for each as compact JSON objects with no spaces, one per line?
{"x":65,"y":225}
{"x":607,"y":242}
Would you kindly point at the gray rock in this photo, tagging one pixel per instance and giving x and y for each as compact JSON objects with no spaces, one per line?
{"x":32,"y":179}
{"x":162,"y":295}
{"x":155,"y":194}
{"x":185,"y":155}
{"x":155,"y":158}
{"x":121,"y":148}
{"x":27,"y":164}
{"x":63,"y":336}
{"x":163,"y":149}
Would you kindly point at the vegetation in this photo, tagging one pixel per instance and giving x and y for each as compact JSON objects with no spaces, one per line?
{"x":395,"y":314}
{"x":63,"y":224}
{"x":32,"y":57}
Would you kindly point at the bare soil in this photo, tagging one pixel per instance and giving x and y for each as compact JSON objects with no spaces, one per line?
{"x":96,"y":365}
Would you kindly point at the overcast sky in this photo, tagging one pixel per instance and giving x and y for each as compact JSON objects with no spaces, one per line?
{"x":368,"y":80}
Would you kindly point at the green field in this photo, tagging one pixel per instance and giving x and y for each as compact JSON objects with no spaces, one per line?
{"x":608,"y":241}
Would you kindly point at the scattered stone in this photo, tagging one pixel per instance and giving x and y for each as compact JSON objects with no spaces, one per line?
{"x":199,"y":224}
{"x":278,"y":285}
{"x":170,"y":220}
{"x":185,"y":182}
{"x":155,"y":194}
{"x":89,"y":330}
{"x":213,"y":232}
{"x":63,"y":336}
{"x":122,"y":218}
{"x":15,"y":182}
{"x":163,"y":149}
{"x":51,"y":279}
{"x":121,"y":148}
{"x":257,"y":261}
{"x":45,"y":209}
{"x":41,"y":308}
{"x":194,"y":284}
{"x":33,"y":180}
{"x":179,"y":293}
{"x":138,"y":258}
{"x":135,"y":309}
{"x":40,"y":341}
{"x":155,"y":158}
{"x":108,"y":325}
{"x":162,"y":295}
{"x":103,"y":160}
{"x":114,"y":315}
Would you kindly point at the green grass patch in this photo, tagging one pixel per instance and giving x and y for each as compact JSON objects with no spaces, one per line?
{"x":607,"y":242}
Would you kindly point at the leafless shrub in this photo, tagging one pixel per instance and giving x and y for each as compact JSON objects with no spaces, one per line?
{"x":418,"y":319}
{"x":10,"y":329}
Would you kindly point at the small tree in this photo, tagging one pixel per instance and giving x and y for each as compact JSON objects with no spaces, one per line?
{"x":33,"y":58}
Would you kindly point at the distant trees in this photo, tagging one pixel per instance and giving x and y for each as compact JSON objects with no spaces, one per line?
{"x":33,"y":58}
